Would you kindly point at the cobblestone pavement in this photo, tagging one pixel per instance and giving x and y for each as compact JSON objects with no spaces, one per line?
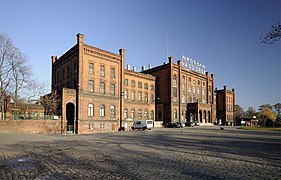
{"x":188,"y":153}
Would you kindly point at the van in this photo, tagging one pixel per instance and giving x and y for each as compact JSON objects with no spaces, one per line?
{"x":142,"y":124}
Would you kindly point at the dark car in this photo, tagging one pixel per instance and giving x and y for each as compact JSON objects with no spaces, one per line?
{"x":172,"y":125}
{"x":189,"y":124}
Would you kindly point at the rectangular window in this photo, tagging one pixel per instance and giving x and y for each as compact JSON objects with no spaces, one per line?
{"x":139,"y":84}
{"x":102,"y":87}
{"x":102,"y":70}
{"x":139,"y":96}
{"x":133,"y":113}
{"x":91,"y":86}
{"x":68,"y":71}
{"x":152,"y":87}
{"x":101,"y":125}
{"x":91,"y":68}
{"x":133,"y":83}
{"x":145,"y":97}
{"x":112,"y":73}
{"x":125,"y":113}
{"x":125,"y":94}
{"x":175,"y":93}
{"x":112,"y":89}
{"x":152,"y":98}
{"x":126,"y":82}
{"x":145,"y":86}
{"x":133,"y":95}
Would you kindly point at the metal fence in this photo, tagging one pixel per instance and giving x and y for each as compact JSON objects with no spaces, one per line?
{"x":30,"y":117}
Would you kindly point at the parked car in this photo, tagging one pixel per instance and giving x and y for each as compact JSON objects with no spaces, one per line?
{"x":142,"y":124}
{"x":172,"y":125}
{"x":189,"y":124}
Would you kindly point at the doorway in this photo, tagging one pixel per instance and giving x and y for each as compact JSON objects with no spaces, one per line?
{"x":70,"y":118}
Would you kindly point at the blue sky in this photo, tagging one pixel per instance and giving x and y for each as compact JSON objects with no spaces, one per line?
{"x":223,"y":35}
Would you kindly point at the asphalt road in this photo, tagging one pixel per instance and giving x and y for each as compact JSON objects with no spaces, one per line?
{"x":188,"y":153}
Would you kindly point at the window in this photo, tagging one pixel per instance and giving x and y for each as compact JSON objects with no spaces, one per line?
{"x":189,"y":88}
{"x":194,"y":90}
{"x":133,"y":83}
{"x":152,"y":98}
{"x":175,"y":114}
{"x":151,"y":115}
{"x":101,"y":125}
{"x":145,"y":86}
{"x":112,"y":111}
{"x":112,"y":73}
{"x":63,"y":72}
{"x":125,"y":94}
{"x":174,"y":81}
{"x":91,"y":68}
{"x":152,"y":87}
{"x":139,"y":96}
{"x":126,"y":82}
{"x":91,"y":126}
{"x":75,"y":67}
{"x":102,"y":110}
{"x":68,"y":71}
{"x":102,"y":70}
{"x":183,"y":98}
{"x":194,"y":82}
{"x":145,"y":114}
{"x":133,"y":113}
{"x":175,"y":93}
{"x":133,"y":95}
{"x":198,"y":90}
{"x":58,"y":77}
{"x":198,"y":82}
{"x":102,"y":87}
{"x":125,"y":113}
{"x":90,"y":110}
{"x":159,"y":115}
{"x":139,"y":84}
{"x":91,"y":86}
{"x":189,"y":79}
{"x":112,"y":89}
{"x":139,"y":113}
{"x":203,"y":92}
{"x":145,"y":97}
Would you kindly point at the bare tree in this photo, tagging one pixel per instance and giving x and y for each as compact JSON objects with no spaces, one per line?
{"x":7,"y":50}
{"x":273,"y":35}
{"x":21,"y":73}
{"x":50,"y":103}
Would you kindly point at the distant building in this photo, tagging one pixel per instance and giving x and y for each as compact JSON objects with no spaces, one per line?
{"x":97,"y":93}
{"x":183,"y":95}
{"x":225,"y":106}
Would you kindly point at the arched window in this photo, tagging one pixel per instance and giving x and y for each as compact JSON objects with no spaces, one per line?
{"x":112,"y":111}
{"x":133,"y":95}
{"x":102,"y":113}
{"x":90,"y":110}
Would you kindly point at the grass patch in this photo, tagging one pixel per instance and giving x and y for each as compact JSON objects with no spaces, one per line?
{"x":256,"y":128}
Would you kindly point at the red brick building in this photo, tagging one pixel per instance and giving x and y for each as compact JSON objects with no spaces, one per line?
{"x":96,"y":93}
{"x":183,"y":95}
{"x":225,"y":106}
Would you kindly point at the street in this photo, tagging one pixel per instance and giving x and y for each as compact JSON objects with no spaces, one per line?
{"x":187,"y":153}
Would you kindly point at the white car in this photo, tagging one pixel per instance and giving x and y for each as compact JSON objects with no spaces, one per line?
{"x":142,"y":124}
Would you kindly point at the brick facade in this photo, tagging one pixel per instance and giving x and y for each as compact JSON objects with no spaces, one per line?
{"x":90,"y":83}
{"x":183,"y":95}
{"x":225,"y":106}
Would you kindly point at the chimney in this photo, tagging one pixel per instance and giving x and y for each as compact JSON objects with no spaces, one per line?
{"x":207,"y":73}
{"x":142,"y":68}
{"x":134,"y":68}
{"x":54,"y":58}
{"x":224,"y":87}
{"x":128,"y":67}
{"x":171,"y":59}
{"x":149,"y":66}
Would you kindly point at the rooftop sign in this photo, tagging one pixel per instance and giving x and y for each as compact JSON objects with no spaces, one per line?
{"x":193,"y":64}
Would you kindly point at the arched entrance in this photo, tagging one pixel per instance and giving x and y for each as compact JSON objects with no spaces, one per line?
{"x":70,"y":110}
{"x":200,"y":116}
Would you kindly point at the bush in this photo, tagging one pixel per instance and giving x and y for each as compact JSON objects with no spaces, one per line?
{"x":269,"y":123}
